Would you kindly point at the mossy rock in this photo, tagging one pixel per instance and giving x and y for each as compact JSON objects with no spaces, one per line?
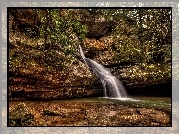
{"x":20,"y":115}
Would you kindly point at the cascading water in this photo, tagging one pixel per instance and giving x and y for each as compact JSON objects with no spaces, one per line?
{"x":112,"y":86}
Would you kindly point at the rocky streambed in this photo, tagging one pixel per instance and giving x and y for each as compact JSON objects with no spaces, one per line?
{"x":90,"y":112}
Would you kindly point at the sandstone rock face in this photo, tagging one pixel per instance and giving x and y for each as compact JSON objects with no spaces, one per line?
{"x":76,"y":79}
{"x":98,"y":29}
{"x":99,"y":45}
{"x":77,"y":82}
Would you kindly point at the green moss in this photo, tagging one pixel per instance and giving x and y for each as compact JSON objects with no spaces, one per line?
{"x":20,"y":116}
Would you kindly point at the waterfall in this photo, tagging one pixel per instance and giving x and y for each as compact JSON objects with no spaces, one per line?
{"x":112,"y":86}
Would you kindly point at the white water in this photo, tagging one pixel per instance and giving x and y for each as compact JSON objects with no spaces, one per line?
{"x":122,"y":99}
{"x":112,"y":86}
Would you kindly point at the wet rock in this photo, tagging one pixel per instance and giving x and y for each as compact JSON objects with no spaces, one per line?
{"x":51,"y":113}
{"x":98,"y":112}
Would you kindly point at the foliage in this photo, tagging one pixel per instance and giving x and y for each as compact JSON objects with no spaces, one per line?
{"x":61,"y":28}
{"x":144,"y":36}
